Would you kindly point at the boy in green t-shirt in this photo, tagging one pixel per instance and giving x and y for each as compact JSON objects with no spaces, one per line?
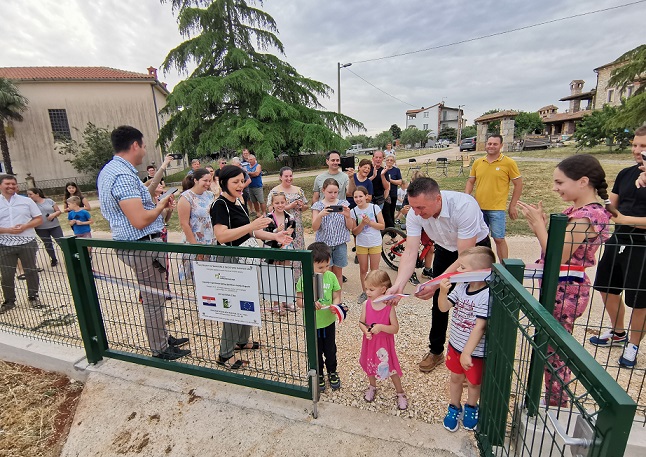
{"x":325,"y":318}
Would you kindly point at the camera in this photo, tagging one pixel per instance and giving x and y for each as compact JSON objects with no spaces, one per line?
{"x":177,"y":156}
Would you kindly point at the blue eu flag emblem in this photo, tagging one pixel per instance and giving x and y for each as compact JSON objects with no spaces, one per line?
{"x":246,"y":305}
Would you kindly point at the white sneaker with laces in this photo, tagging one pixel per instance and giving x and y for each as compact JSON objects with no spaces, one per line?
{"x":629,"y":357}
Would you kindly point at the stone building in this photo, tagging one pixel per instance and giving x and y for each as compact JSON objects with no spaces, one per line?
{"x":62,"y":100}
{"x":609,"y":95}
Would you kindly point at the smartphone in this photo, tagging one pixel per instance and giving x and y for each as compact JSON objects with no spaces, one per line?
{"x":170,"y":191}
{"x":177,"y":156}
{"x":644,"y":157}
{"x":336,"y":208}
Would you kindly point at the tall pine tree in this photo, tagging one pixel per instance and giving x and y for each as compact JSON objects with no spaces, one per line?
{"x":240,"y":96}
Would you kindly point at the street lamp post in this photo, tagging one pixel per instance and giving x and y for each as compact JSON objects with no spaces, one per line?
{"x":339,"y":66}
{"x":460,"y":123}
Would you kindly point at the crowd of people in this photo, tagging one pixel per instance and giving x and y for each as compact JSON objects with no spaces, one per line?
{"x":229,"y":207}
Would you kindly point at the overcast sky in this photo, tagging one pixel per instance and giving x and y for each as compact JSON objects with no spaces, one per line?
{"x":523,"y":70}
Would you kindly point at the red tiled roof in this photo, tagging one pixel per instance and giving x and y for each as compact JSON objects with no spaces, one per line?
{"x":71,"y":74}
{"x":498,"y":115}
{"x":561,"y":117}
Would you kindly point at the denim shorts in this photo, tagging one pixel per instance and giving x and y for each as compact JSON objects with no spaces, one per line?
{"x":340,"y":255}
{"x":497,"y":222}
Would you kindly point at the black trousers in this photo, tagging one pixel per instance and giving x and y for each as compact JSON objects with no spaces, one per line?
{"x":389,"y":212}
{"x":326,"y":339}
{"x":440,"y":320}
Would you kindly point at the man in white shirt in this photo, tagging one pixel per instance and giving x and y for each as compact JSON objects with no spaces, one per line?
{"x":453,"y":220}
{"x":18,"y":217}
{"x":389,"y":151}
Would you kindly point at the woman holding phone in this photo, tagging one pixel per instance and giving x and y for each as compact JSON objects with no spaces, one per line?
{"x":333,"y":222}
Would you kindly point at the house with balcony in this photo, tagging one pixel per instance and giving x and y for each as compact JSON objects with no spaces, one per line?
{"x":62,"y":100}
{"x":434,"y":118}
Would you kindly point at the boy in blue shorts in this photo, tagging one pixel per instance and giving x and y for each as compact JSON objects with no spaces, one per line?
{"x":325,"y":318}
{"x":466,"y":351}
{"x":80,"y":219}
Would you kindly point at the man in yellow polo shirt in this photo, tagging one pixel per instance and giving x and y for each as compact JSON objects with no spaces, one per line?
{"x":491,"y":176}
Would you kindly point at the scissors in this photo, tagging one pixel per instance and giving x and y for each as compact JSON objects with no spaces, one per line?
{"x":368,"y":326}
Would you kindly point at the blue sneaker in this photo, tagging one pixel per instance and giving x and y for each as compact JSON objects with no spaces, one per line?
{"x":470,"y":419}
{"x":629,"y":358}
{"x":452,"y":418}
{"x":608,"y":339}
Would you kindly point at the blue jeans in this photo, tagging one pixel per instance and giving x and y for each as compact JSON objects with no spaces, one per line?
{"x":497,"y":222}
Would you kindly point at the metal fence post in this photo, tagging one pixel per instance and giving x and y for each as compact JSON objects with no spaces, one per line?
{"x":496,"y":389}
{"x":551,"y":268}
{"x":310,"y":295}
{"x":80,"y":294}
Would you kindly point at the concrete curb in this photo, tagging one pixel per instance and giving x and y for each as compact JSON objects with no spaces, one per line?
{"x":67,"y":360}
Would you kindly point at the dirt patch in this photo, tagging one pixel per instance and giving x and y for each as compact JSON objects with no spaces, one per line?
{"x":37,"y":410}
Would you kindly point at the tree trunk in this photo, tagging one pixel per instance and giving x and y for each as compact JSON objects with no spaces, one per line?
{"x":6,"y":158}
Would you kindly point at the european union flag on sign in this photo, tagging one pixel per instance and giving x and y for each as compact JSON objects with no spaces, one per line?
{"x":246,"y":305}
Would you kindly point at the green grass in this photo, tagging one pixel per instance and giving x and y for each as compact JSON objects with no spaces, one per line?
{"x":600,"y":152}
{"x":537,"y":186}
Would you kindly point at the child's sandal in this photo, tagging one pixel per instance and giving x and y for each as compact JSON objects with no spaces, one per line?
{"x":402,"y":401}
{"x":369,"y":396}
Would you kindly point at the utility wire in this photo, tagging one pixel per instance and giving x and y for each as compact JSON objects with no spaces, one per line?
{"x":497,"y":34}
{"x":381,"y":90}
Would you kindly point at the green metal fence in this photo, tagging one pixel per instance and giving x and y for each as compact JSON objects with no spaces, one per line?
{"x":55,"y":320}
{"x":114,"y":323}
{"x":584,"y":413}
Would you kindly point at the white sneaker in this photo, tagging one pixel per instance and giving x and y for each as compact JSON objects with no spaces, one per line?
{"x":629,"y":357}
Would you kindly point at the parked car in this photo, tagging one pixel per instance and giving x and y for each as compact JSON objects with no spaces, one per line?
{"x":468,"y":144}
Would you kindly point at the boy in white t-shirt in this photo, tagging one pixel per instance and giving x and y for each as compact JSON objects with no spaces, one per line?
{"x":466,"y":351}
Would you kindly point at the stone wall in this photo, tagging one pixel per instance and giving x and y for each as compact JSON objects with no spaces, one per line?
{"x":481,"y":138}
{"x":507,"y":132}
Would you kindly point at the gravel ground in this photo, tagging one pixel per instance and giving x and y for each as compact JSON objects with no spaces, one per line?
{"x":427,"y":392}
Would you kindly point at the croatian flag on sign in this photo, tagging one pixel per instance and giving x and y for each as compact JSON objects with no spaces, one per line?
{"x":208,"y":301}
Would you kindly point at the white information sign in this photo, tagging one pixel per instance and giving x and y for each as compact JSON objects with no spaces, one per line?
{"x":227,"y":292}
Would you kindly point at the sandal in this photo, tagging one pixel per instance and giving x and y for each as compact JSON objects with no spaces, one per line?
{"x":369,"y":396}
{"x":231,"y":365}
{"x":254,"y":345}
{"x":402,"y":401}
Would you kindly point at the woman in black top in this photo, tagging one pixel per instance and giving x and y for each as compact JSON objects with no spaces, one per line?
{"x":232,"y":227}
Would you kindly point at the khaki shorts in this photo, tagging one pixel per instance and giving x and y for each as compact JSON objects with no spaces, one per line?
{"x":372,"y":250}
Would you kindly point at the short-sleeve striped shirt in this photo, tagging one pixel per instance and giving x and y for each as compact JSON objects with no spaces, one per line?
{"x":332,"y":231}
{"x":467,"y":307}
{"x":119,"y":181}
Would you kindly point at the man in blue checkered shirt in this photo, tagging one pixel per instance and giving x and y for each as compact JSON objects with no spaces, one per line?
{"x":133,"y":216}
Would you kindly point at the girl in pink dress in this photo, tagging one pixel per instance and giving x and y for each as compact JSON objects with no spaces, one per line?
{"x":581,"y":180}
{"x":379,"y":324}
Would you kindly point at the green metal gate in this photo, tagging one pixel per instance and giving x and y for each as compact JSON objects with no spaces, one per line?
{"x":107,"y":300}
{"x":523,"y":336}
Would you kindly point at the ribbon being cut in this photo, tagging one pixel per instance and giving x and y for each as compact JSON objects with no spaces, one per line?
{"x":339,"y":310}
{"x":574,"y":273}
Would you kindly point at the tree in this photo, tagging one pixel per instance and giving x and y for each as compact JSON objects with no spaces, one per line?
{"x":396,"y":131}
{"x":239,"y":96}
{"x":380,"y":141}
{"x":359,"y":139}
{"x":527,"y":123}
{"x":448,"y":133}
{"x":632,"y":112}
{"x":596,"y":127}
{"x":469,"y":131}
{"x":413,"y":135}
{"x":12,"y":104}
{"x":89,"y":156}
